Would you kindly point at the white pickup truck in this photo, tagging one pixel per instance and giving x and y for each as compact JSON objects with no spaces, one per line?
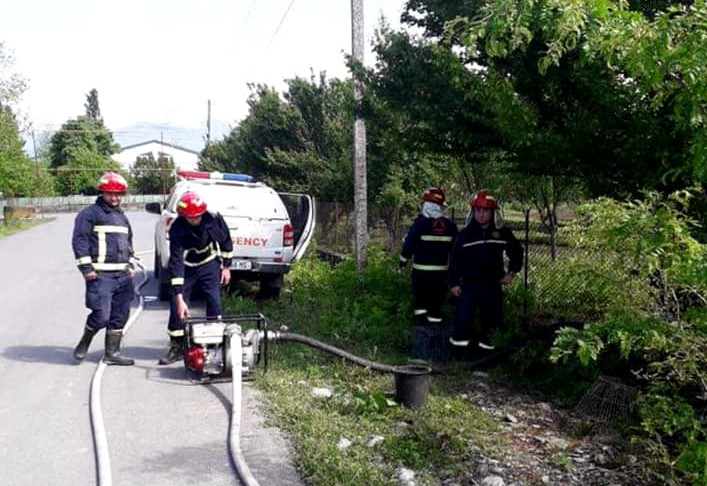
{"x":270,"y":230}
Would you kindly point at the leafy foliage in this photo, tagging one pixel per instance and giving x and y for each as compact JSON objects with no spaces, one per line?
{"x":18,"y":175}
{"x":300,"y":142}
{"x":80,"y":151}
{"x":152,"y":176}
{"x":604,"y":71}
{"x":82,"y":171}
{"x":12,"y":85}
{"x":657,"y":342}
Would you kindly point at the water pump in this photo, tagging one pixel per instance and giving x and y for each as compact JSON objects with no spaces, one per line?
{"x":208,"y":356}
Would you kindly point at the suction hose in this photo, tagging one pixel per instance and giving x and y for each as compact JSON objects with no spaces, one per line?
{"x":299,"y":338}
{"x":236,"y":359}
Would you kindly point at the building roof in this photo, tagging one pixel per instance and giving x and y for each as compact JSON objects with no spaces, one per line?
{"x":164,"y":144}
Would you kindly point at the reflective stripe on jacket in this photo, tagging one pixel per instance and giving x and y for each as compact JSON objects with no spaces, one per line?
{"x":194,"y":246}
{"x":477,"y":255}
{"x":429,"y":242}
{"x":102,"y":239}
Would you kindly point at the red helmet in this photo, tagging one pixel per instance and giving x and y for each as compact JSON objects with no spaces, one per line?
{"x":112,"y":182}
{"x":435,"y":195}
{"x":484,"y":200}
{"x":191,"y":205}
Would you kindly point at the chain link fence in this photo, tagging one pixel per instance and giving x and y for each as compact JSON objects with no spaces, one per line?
{"x":561,"y":281}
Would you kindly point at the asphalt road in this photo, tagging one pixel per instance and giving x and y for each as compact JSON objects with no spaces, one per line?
{"x":160,"y":428}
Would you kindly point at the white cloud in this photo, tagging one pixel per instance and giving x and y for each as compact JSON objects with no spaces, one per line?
{"x":160,"y":61}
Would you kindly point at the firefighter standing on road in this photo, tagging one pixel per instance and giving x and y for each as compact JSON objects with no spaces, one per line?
{"x":200,"y":252}
{"x":103,"y":246}
{"x":477,"y":275}
{"x":429,"y":242}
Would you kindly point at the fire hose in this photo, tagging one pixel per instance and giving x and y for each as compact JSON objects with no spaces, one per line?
{"x":235,"y":340}
{"x":100,"y":443}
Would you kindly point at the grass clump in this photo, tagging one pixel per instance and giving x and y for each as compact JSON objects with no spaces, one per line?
{"x":356,"y":433}
{"x":11,"y":227}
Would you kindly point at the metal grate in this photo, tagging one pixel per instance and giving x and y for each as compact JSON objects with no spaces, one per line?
{"x":609,"y":400}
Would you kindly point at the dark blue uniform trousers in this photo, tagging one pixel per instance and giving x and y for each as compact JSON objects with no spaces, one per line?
{"x":207,"y":278}
{"x":486,"y":299}
{"x":109,"y":297}
{"x":429,"y":290}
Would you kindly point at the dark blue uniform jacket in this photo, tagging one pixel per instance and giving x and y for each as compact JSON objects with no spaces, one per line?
{"x":102,"y":239}
{"x":477,"y":255}
{"x":429,"y":242}
{"x":194,"y":246}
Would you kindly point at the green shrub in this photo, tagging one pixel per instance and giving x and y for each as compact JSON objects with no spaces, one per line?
{"x":653,"y":329}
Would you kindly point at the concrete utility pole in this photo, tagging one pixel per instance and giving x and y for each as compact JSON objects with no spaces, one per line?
{"x":208,"y":124}
{"x":360,"y":183}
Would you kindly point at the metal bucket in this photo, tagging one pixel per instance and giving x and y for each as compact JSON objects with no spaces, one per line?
{"x":412,"y":385}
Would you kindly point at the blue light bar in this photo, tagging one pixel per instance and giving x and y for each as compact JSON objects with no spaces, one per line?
{"x":223,"y":176}
{"x":237,"y":177}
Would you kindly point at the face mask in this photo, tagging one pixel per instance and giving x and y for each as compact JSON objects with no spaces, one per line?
{"x":431,"y":210}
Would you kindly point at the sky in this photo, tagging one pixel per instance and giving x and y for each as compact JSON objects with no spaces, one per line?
{"x":160,"y":62}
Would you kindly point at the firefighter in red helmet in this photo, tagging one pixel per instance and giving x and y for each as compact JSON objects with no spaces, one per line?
{"x":200,"y":253}
{"x":103,"y":246}
{"x":478,"y":274}
{"x":428,"y":244}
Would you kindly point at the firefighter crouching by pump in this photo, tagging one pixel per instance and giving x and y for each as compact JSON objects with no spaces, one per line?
{"x":477,"y":276}
{"x":103,"y":247}
{"x":200,"y":253}
{"x":428,"y":243}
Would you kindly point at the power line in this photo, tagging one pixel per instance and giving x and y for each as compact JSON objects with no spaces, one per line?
{"x":282,"y":20}
{"x":272,"y":38}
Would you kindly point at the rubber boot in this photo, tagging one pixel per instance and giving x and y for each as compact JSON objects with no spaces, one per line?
{"x":112,"y":355}
{"x":175,"y":352}
{"x":85,"y":341}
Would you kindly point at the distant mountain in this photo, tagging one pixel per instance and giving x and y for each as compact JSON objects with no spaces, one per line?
{"x":190,"y":138}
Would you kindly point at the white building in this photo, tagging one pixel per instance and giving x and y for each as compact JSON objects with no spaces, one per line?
{"x":183,"y":158}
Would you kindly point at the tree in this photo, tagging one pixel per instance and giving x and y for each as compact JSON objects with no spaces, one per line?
{"x":18,"y":175}
{"x":93,"y":110}
{"x":81,"y":173}
{"x":617,"y":94}
{"x":152,"y":176}
{"x":522,"y":81}
{"x":12,"y":85}
{"x":298,"y":142}
{"x":77,"y":135}
{"x":81,"y":149}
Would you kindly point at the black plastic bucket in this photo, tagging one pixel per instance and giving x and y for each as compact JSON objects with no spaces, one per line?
{"x":412,"y":385}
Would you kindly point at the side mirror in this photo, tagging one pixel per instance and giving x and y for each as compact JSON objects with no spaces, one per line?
{"x":153,"y":207}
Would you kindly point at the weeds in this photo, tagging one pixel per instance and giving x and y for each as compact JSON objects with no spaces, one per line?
{"x":357,"y":434}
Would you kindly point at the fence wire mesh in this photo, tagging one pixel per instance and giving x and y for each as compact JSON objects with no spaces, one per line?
{"x":560,"y":280}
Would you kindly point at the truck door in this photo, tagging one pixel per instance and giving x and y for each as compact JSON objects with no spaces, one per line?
{"x":302,"y":212}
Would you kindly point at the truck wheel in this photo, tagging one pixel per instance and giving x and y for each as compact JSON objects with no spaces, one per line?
{"x":162,"y":285}
{"x":270,"y":286}
{"x":156,"y":267}
{"x":163,"y":293}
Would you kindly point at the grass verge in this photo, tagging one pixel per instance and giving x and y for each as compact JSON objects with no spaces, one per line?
{"x":347,"y":428}
{"x":8,"y":228}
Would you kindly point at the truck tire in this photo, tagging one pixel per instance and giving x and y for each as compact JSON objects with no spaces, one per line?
{"x":162,"y":284}
{"x":270,"y":286}
{"x":163,"y":293}
{"x":156,"y":266}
